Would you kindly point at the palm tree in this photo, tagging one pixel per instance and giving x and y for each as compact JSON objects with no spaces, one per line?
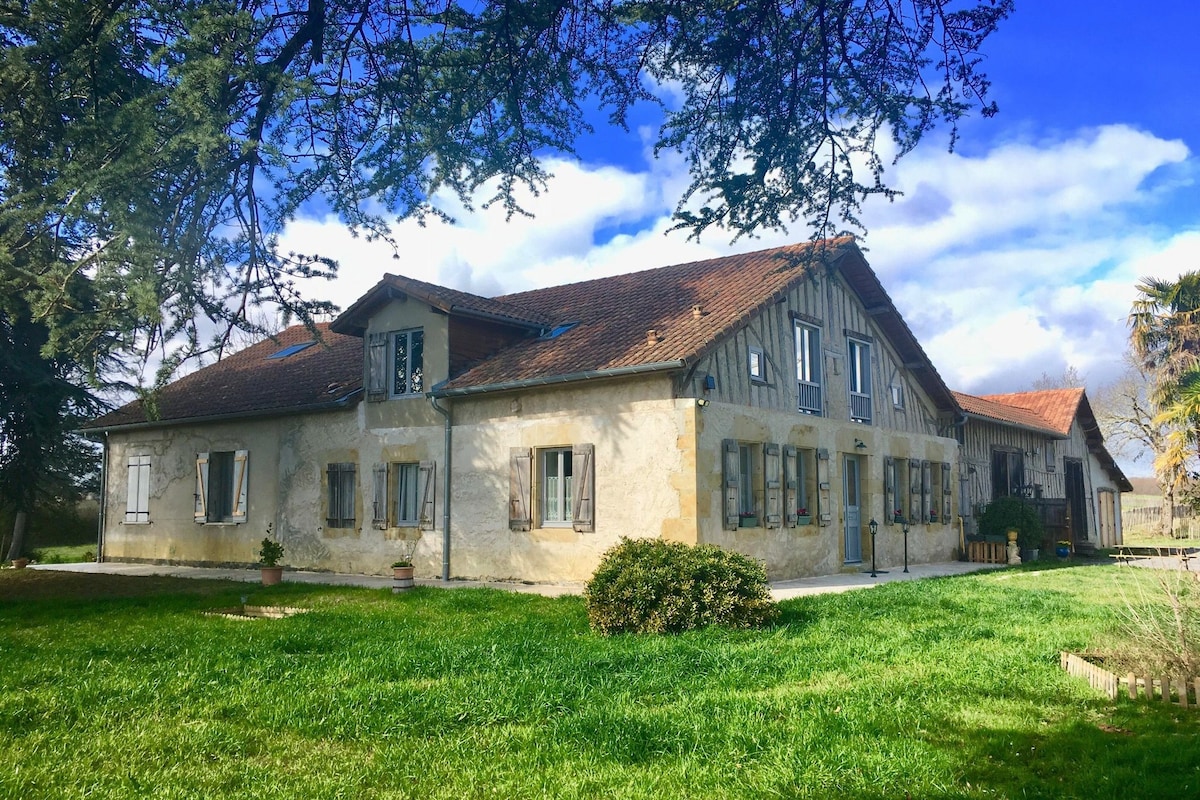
{"x":1165,"y":333}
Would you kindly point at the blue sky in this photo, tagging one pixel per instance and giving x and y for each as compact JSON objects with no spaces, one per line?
{"x":1015,"y":255}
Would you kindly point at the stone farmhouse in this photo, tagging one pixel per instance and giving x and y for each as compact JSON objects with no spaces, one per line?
{"x":774,"y":403}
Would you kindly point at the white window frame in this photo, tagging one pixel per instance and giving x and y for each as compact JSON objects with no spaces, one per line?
{"x":137,"y":501}
{"x":858,"y":375}
{"x":556,"y":499}
{"x":808,"y":364}
{"x":406,"y":383}
{"x":756,"y":359}
{"x":898,"y":395}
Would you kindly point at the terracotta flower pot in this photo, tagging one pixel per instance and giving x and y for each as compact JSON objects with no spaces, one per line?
{"x":402,"y":578}
{"x":271,"y":575}
{"x":20,"y":563}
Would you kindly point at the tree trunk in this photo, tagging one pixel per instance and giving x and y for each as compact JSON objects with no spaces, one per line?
{"x":18,"y":540}
{"x":1166,"y":514}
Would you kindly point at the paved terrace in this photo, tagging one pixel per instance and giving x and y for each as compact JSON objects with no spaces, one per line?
{"x":780,"y":590}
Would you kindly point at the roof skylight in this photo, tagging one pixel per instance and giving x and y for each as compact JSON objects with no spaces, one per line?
{"x":291,"y":350}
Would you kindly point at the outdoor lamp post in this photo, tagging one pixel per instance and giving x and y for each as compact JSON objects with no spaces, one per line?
{"x":874,"y":526}
{"x":905,"y":522}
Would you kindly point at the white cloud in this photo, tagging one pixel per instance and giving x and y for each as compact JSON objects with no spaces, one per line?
{"x":1014,"y":262}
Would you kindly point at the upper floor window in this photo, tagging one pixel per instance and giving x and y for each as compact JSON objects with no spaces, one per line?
{"x":758,"y":365}
{"x":808,"y":367}
{"x":395,"y":364}
{"x":860,"y":380}
{"x":407,"y":355}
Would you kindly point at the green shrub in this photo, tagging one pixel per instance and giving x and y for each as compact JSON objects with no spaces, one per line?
{"x":1005,"y":513}
{"x":652,"y":586}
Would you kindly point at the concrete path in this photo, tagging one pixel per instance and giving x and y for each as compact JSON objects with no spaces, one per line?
{"x":780,"y":590}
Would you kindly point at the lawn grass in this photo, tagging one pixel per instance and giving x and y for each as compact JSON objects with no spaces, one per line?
{"x":64,"y":554}
{"x":118,"y":687}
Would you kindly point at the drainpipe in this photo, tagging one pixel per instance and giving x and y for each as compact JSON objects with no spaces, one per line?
{"x":102,"y":499}
{"x":445,"y":493}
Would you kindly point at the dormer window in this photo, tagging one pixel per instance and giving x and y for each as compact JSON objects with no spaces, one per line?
{"x":407,"y":362}
{"x":395,"y":364}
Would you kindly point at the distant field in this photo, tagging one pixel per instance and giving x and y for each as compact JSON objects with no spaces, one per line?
{"x":1139,"y":523}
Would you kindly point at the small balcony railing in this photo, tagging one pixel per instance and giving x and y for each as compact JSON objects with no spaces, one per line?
{"x":810,"y":397}
{"x":860,"y":407}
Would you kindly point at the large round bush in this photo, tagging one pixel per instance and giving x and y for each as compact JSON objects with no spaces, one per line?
{"x":652,"y":586}
{"x":1004,"y":513}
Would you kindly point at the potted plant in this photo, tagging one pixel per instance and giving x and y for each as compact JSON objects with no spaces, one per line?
{"x":402,"y":569}
{"x":747,"y":519}
{"x":802,"y":516}
{"x":1012,"y":513}
{"x":269,"y":554}
{"x":933,"y":517}
{"x":20,"y":562}
{"x":898,"y":515}
{"x":1062,"y":548}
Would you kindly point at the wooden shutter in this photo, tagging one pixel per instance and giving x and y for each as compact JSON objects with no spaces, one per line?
{"x":520,"y":471}
{"x":791,"y":484}
{"x":730,"y":477}
{"x":947,"y":493}
{"x":377,"y":366}
{"x":241,"y":478}
{"x":201,"y":487}
{"x":914,"y":491}
{"x":137,"y":501}
{"x":822,"y":498}
{"x":426,"y":490}
{"x":926,"y":490}
{"x":774,"y":485}
{"x":379,"y":504}
{"x":583,"y":477}
{"x":889,"y":490}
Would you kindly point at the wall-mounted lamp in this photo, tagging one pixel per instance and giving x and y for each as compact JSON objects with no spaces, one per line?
{"x":859,"y":444}
{"x":702,"y":402}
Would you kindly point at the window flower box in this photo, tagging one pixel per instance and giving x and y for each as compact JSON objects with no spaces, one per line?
{"x":898,"y":516}
{"x":803,"y":517}
{"x":747,"y":520}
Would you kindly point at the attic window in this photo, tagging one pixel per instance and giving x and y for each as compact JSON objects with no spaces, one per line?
{"x":290,"y":351}
{"x":558,"y":330}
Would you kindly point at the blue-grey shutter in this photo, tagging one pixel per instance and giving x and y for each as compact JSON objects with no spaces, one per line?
{"x":889,"y":490}
{"x":772,"y":480}
{"x":947,"y":493}
{"x":926,"y":490}
{"x":791,"y":484}
{"x":730,"y":478}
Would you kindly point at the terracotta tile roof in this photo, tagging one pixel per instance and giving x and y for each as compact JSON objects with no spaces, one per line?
{"x":354,"y":319}
{"x":248,"y":383}
{"x":1057,"y":407}
{"x":995,"y":408}
{"x":615,"y":315}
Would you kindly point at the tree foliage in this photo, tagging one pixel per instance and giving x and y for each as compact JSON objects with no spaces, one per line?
{"x":1165,"y":334}
{"x":155,"y":149}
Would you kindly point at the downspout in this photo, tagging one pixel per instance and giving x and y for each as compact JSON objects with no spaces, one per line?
{"x":445,"y":492}
{"x":103,"y":499}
